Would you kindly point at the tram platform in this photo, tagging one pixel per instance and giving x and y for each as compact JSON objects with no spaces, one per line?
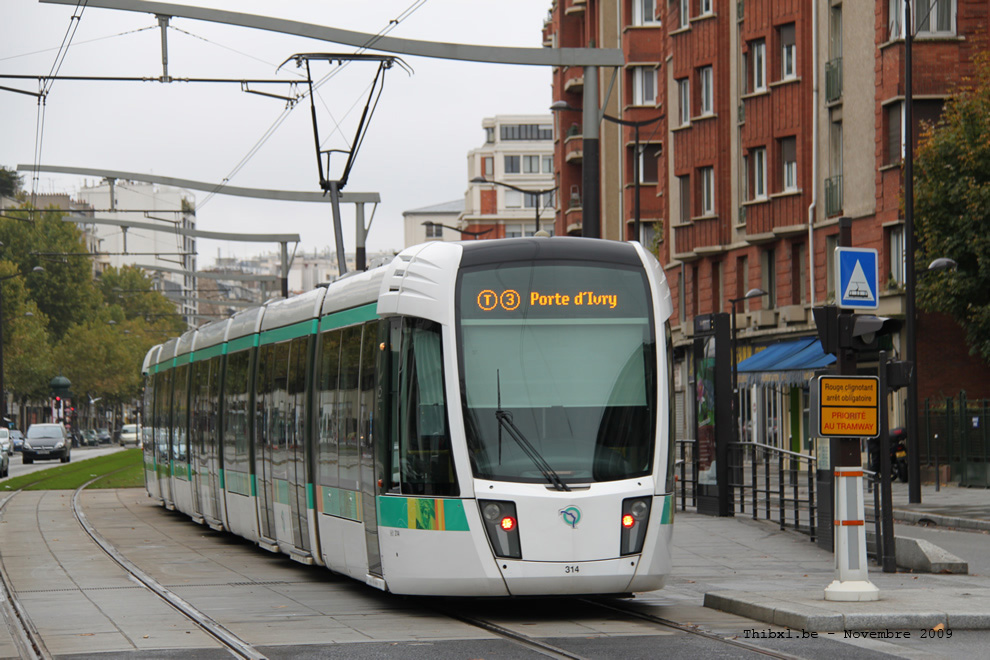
{"x":755,"y":570}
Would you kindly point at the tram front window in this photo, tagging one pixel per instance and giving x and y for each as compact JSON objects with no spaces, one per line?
{"x":567,"y":351}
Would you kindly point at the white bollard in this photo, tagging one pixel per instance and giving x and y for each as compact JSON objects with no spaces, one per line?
{"x":851,"y":579}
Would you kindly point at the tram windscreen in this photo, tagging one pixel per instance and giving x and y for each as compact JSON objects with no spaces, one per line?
{"x":569,"y":352}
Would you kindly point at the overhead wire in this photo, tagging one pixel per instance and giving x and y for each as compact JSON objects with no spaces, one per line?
{"x":392,"y":24}
{"x":46,"y":86}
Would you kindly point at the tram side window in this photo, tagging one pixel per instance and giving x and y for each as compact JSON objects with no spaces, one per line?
{"x":180,"y":414}
{"x":148,"y":414}
{"x":347,"y":406}
{"x":163,"y":401}
{"x":426,"y":462}
{"x":297,"y":390}
{"x":327,"y":383}
{"x":235,"y":411}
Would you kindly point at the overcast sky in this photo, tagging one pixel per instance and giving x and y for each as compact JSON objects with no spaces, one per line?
{"x":414,"y":154}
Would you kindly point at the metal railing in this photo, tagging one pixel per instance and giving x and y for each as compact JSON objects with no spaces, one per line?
{"x":833,"y":196}
{"x":772,"y":483}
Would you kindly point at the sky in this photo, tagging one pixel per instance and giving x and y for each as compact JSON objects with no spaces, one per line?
{"x":414,"y":153}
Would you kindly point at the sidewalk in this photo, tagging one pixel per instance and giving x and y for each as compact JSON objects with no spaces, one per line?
{"x":753,"y":569}
{"x":950,"y":506}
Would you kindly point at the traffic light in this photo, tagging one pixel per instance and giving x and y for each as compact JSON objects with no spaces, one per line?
{"x":862,"y":332}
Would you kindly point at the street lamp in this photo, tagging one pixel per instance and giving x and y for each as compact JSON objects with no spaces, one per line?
{"x":557,"y":106}
{"x":538,"y":193}
{"x":3,"y":390}
{"x":475,"y":234}
{"x":752,"y":293}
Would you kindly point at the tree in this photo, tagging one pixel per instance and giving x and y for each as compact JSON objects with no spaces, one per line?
{"x":27,"y":354}
{"x":10,"y":182}
{"x":952,"y":209}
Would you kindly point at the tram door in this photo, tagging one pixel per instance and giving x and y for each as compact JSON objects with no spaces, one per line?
{"x":300,"y":351}
{"x":265,"y":421}
{"x":163,"y":429}
{"x":204,"y":391}
{"x":373,"y":362}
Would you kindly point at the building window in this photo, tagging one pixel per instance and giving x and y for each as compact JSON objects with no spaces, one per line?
{"x":644,"y":12}
{"x":487,"y":166}
{"x":758,"y":60}
{"x":644,"y":85}
{"x":788,"y":160}
{"x":548,"y":164}
{"x":759,"y":171}
{"x":897,"y":264}
{"x":835,"y":149}
{"x":648,"y":167}
{"x":704,"y":7}
{"x":512,"y":164}
{"x":707,"y":183}
{"x":930,"y":17}
{"x":684,"y":190}
{"x":526,"y":132}
{"x":768,"y":276}
{"x":831,"y":242}
{"x":518,"y":230}
{"x":894,"y":151}
{"x":531,"y":164}
{"x":798,"y":279}
{"x":512,"y":199}
{"x":489,"y":134}
{"x":685,"y":16}
{"x":707,"y":90}
{"x":433,"y":230}
{"x":683,"y":102}
{"x":788,"y":52}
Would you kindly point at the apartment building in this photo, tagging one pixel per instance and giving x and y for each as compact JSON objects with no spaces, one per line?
{"x":511,"y":189}
{"x":778,"y":117}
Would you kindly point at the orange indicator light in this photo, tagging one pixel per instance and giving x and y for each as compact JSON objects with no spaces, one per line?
{"x":628,"y":521}
{"x":508,"y":523}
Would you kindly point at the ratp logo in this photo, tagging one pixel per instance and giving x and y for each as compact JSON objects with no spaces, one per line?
{"x":571,"y":516}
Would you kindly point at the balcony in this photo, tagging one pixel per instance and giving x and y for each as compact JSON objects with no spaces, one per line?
{"x":833,"y":196}
{"x":574,"y":149}
{"x":833,"y":80}
{"x":574,"y":79}
{"x":574,"y":6}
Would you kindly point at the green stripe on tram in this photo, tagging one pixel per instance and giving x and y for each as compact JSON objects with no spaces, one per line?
{"x":347,"y":317}
{"x":667,"y":517}
{"x":239,"y":344}
{"x":289,"y":332}
{"x":180,"y":360}
{"x":341,"y":503}
{"x":207,"y":353}
{"x":421,"y":513}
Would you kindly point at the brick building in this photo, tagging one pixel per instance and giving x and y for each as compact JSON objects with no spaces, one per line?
{"x":778,"y":118}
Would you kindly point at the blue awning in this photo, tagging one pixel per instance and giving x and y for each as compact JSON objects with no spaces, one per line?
{"x":791,"y":362}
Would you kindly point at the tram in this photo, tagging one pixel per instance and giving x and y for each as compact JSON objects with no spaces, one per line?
{"x":484,"y":418}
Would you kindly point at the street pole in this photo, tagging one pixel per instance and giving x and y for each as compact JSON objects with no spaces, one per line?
{"x":3,"y":389}
{"x":636,"y":235}
{"x":590,"y":182}
{"x":910,"y":352}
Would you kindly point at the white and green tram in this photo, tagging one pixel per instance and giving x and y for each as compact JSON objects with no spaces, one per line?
{"x":486,"y":418}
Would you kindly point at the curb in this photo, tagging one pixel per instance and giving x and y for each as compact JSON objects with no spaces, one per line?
{"x":905,"y":515}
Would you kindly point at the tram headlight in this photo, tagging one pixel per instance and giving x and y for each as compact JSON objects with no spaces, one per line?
{"x":502,"y":527}
{"x":635,"y":515}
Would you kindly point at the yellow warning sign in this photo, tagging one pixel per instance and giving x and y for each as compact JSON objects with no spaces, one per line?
{"x":848,"y":406}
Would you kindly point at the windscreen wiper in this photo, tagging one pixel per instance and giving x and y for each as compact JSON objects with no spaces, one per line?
{"x":504,"y":418}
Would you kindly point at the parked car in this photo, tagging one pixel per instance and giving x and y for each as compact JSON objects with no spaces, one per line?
{"x":89,"y":438}
{"x":6,"y":444}
{"x":46,"y":441}
{"x":5,"y":457}
{"x":17,"y":439}
{"x":130,"y":434}
{"x":103,"y":436}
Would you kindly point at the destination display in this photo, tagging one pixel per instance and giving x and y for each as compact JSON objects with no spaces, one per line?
{"x":553,"y":292}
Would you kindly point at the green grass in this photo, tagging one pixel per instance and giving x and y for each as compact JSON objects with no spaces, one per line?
{"x":70,"y":476}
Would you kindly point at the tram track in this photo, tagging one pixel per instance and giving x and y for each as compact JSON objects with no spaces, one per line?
{"x":230,"y":641}
{"x":29,"y":642}
{"x":550,"y":650}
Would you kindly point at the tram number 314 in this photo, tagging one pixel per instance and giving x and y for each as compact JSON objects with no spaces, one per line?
{"x":572,"y":569}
